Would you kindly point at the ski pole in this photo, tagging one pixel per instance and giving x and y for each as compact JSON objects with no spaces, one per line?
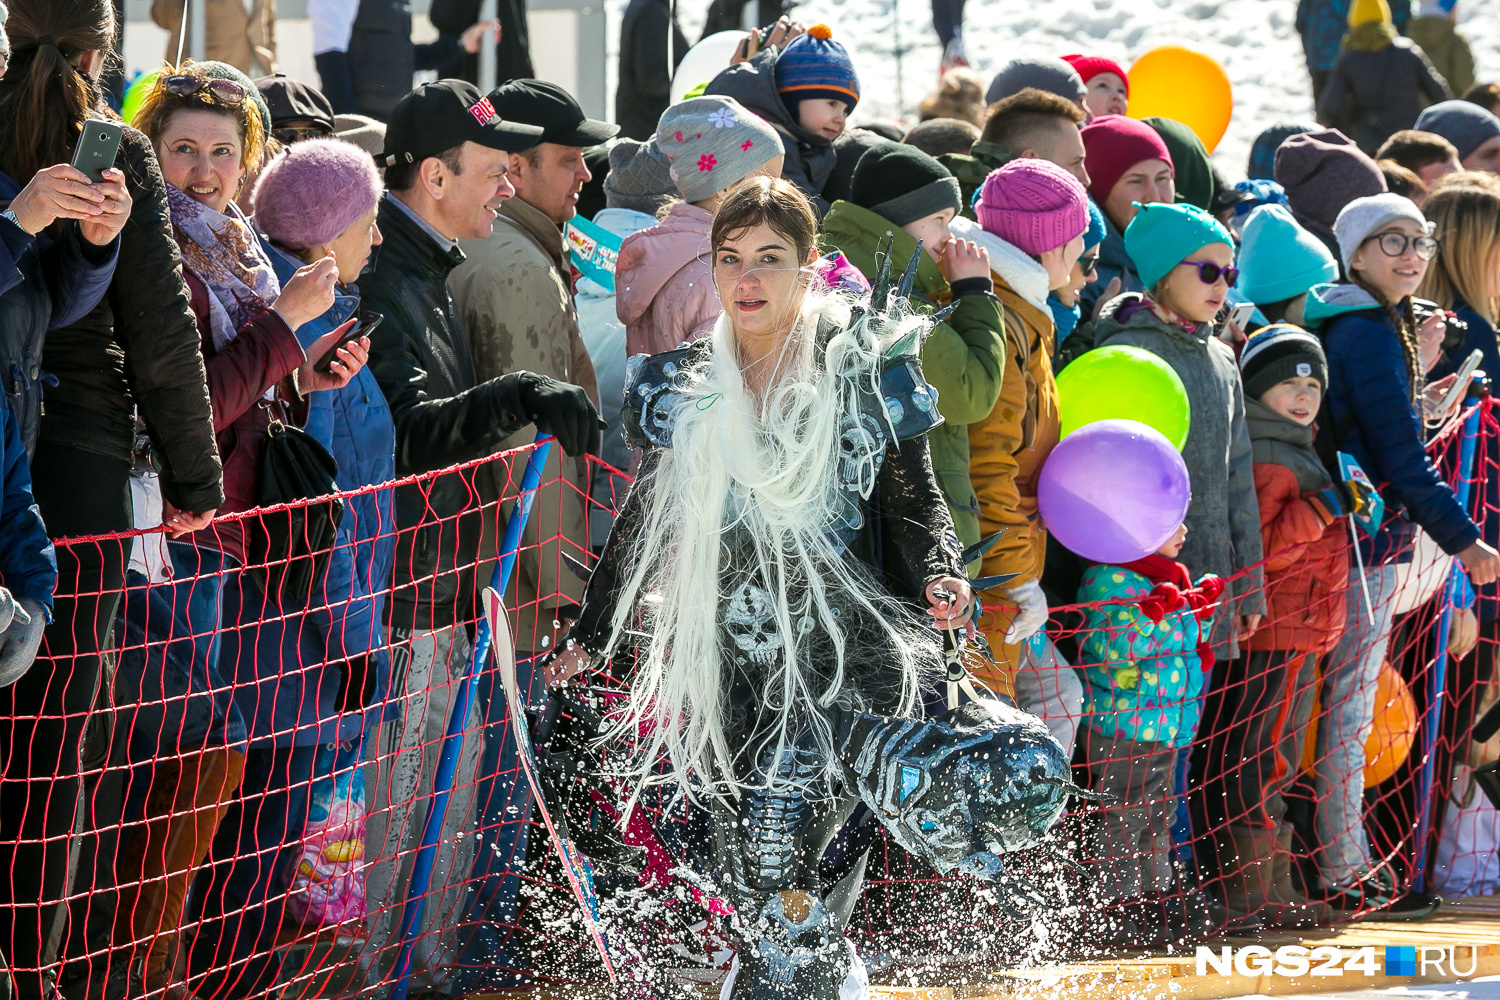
{"x":1438,"y":677}
{"x":453,"y":737}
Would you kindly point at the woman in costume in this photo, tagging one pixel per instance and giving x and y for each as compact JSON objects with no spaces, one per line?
{"x":780,"y":566}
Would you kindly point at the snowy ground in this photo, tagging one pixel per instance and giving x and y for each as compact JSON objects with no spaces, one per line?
{"x":1253,"y":39}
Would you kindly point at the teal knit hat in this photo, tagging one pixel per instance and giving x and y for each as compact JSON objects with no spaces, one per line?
{"x":1279,"y":259}
{"x":1162,"y":236}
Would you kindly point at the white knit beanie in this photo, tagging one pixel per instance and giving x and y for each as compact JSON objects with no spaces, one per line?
{"x":1364,"y":216}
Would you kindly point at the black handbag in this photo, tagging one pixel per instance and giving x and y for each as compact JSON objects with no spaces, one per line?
{"x":289,"y":548}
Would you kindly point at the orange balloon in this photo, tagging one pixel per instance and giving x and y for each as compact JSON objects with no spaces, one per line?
{"x":1391,"y":735}
{"x":1185,"y":85}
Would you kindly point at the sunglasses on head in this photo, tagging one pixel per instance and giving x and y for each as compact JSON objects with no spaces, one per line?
{"x":288,"y":135}
{"x":1209,"y":272}
{"x":223,"y":91}
{"x":1395,"y":244}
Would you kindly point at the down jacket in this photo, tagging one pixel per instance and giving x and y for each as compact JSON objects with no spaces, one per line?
{"x":1447,"y":49}
{"x":810,"y":158}
{"x":963,"y":358}
{"x":1306,"y":549}
{"x":1376,"y":422}
{"x":1374,"y":93}
{"x":1008,"y":447}
{"x":1142,"y":678}
{"x":664,"y":283}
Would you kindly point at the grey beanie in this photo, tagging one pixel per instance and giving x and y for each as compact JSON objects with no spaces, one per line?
{"x":1364,"y":216}
{"x":639,"y":177}
{"x":1051,"y":75}
{"x":713,"y":143}
{"x":1468,"y":126}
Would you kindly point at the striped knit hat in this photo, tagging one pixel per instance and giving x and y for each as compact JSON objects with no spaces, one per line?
{"x":813,"y":65}
{"x":1280,"y":352}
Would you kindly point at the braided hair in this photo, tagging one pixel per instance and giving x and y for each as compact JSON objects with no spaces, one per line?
{"x":1404,"y":319}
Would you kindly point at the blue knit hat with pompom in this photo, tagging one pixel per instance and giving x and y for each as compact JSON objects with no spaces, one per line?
{"x":813,"y":65}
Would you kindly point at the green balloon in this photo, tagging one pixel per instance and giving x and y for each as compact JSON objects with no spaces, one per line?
{"x":1121,"y":382}
{"x":136,"y":94}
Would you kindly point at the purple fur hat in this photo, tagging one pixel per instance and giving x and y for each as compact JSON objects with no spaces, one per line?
{"x":313,"y":192}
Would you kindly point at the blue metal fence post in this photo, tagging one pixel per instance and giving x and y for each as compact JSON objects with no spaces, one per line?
{"x":1437,"y":674}
{"x":432,"y":832}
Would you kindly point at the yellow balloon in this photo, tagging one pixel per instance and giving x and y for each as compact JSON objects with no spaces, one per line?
{"x":1188,"y":86}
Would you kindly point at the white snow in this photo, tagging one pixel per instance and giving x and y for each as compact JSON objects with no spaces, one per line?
{"x":1254,"y":40}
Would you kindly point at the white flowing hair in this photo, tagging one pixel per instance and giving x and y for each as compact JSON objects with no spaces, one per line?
{"x":769,"y":471}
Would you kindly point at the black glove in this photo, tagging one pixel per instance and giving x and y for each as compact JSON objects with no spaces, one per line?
{"x":562,"y":410}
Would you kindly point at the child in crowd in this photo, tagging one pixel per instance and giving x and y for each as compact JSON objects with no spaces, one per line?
{"x":900,"y":192}
{"x":1376,"y":373}
{"x":1032,"y":218}
{"x":664,"y":289}
{"x":1381,"y":81}
{"x":1063,"y":302}
{"x":1186,"y":259}
{"x":1280,"y":262}
{"x":1107,"y":83}
{"x":1258,"y":712}
{"x":1146,"y":652}
{"x":806,"y":91}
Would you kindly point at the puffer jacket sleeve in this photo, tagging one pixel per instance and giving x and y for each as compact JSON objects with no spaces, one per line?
{"x":1429,"y":81}
{"x":154,"y":324}
{"x":1382,"y":408}
{"x":1288,"y":523}
{"x":964,"y":358}
{"x":993,"y":446}
{"x":28,"y":563}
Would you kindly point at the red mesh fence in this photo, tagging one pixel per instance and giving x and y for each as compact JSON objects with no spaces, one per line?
{"x":256,"y":771}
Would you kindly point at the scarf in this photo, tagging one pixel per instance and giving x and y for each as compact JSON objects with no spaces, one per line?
{"x":222,"y":251}
{"x":1065,"y":318}
{"x":1174,"y":591}
{"x":1372,"y":36}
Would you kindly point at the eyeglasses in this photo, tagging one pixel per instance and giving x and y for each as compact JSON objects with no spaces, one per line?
{"x":287,"y":136}
{"x":1395,"y":244}
{"x":223,"y":91}
{"x":1209,"y":272}
{"x":1088,"y":262}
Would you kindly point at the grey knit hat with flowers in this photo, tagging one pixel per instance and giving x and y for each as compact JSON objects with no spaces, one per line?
{"x":713,"y":143}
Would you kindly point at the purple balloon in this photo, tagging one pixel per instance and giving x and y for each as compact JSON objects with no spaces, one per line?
{"x":1114,"y":491}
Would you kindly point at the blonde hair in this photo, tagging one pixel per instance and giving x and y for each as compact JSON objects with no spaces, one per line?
{"x":960,"y":95}
{"x":765,"y":471}
{"x":1465,"y":211}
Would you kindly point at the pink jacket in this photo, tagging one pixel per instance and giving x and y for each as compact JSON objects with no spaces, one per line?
{"x":664,"y":286}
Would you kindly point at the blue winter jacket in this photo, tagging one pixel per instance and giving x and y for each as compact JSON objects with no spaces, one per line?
{"x":1324,"y":23}
{"x":28,"y":563}
{"x":276,"y":658}
{"x":45,"y":284}
{"x":1370,"y":404}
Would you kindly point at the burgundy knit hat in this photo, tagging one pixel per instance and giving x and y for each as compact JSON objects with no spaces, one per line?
{"x":1033,"y":204}
{"x":1112,"y":144}
{"x":1089,"y":67}
{"x":314,"y":191}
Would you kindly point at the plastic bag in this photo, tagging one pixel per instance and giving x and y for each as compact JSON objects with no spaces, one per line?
{"x":328,"y":881}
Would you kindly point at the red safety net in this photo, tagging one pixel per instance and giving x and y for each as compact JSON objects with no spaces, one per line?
{"x":257,"y":770}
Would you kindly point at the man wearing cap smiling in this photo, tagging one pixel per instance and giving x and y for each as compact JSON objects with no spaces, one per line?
{"x":515,"y":295}
{"x":447,"y":155}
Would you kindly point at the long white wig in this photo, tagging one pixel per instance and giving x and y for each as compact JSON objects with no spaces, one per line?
{"x":768,"y":471}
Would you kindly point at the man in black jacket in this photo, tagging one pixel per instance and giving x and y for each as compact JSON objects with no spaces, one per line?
{"x":446,"y":156}
{"x":646,"y":67}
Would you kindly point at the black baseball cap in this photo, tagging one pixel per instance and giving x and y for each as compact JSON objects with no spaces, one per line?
{"x":293,"y":100}
{"x":547,"y":105}
{"x":438,"y":116}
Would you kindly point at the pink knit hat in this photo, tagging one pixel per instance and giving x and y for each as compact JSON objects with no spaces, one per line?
{"x":313,"y":192}
{"x":1033,"y":204}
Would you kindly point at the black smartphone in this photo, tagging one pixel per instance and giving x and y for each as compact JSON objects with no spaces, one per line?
{"x":351,"y":330}
{"x":98,"y":144}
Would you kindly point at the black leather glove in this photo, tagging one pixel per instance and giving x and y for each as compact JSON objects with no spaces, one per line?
{"x":562,"y":410}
